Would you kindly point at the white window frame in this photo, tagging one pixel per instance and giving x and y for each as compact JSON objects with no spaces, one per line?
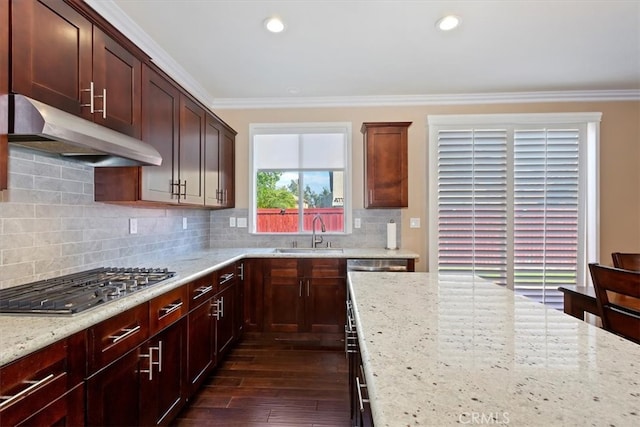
{"x":588,"y":187}
{"x":301,"y":128}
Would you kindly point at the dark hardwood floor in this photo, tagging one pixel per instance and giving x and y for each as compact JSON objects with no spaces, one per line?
{"x":274,"y":384}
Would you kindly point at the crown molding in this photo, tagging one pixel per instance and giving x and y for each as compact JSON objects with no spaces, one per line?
{"x":421,"y":100}
{"x":116,"y":16}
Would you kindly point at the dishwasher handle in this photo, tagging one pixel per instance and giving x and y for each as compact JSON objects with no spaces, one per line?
{"x":378,"y":264}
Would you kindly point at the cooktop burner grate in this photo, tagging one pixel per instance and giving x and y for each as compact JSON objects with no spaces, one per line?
{"x":78,"y":292}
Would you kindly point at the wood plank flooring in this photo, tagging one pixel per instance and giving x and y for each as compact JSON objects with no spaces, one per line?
{"x":274,"y":384}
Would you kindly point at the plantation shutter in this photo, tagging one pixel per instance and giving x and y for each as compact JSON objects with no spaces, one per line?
{"x":472,"y":202}
{"x":508,"y":206}
{"x":546,"y":212}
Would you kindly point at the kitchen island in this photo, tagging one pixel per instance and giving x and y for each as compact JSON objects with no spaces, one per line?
{"x":454,"y":350}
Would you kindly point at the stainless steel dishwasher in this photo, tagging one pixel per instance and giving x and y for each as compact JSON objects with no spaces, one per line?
{"x":378,"y":264}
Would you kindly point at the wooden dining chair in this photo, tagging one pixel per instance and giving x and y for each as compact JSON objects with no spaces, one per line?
{"x":628,"y":261}
{"x":617,"y":316}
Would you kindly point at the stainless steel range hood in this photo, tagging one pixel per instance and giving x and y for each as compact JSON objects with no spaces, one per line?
{"x":40,"y":127}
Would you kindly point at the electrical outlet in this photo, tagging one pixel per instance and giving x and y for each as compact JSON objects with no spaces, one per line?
{"x":357,"y":223}
{"x":184,"y":222}
{"x":242,"y":222}
{"x":232,"y":221}
{"x":133,"y":226}
{"x":414,"y":223}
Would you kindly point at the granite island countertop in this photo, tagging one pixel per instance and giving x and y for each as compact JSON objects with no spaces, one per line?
{"x":24,"y":334}
{"x":458,"y":350}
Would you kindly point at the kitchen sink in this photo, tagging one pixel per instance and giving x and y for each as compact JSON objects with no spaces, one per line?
{"x":308,"y":250}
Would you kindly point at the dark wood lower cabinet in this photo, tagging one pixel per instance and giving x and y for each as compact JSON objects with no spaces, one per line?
{"x":201,"y":345}
{"x":225,"y":302}
{"x":304,"y":295}
{"x":162,"y":388}
{"x":113,"y":394}
{"x":143,"y":387}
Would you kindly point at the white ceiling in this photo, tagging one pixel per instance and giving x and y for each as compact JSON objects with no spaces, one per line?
{"x":374,"y":49}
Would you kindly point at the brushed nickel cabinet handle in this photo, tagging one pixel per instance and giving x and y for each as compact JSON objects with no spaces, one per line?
{"x":90,"y":104}
{"x":241,"y":271}
{"x":125,"y":333}
{"x":151,"y":362}
{"x":33,"y":385}
{"x":225,"y":278}
{"x":201,"y":291}
{"x":361,"y":401}
{"x":166,"y":310}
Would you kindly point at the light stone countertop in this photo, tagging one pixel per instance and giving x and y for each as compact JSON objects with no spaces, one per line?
{"x":23,"y":334}
{"x":456,"y":351}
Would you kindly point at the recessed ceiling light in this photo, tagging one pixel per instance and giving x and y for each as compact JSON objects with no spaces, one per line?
{"x":448,"y":22}
{"x":274,"y":25}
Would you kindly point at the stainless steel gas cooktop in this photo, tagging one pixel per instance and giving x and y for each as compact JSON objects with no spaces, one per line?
{"x":77,"y":292}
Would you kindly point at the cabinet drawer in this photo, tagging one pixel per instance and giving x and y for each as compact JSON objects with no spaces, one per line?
{"x":67,"y":410}
{"x":167,"y":308}
{"x":201,"y":290}
{"x":34,"y":381}
{"x":226,"y":276}
{"x":112,"y":338}
{"x":326,"y":267}
{"x":282,"y":267}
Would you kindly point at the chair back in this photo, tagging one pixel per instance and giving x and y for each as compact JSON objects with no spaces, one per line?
{"x":628,"y":261}
{"x":617,"y":318}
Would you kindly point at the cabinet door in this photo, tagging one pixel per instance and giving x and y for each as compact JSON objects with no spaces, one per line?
{"x":227,"y":169}
{"x":325,"y":294}
{"x":386,"y":165}
{"x":191,"y":158}
{"x":225,"y":301}
{"x":160,"y":125}
{"x":162,"y":390}
{"x":201,"y":342}
{"x":253,"y":299}
{"x":212,"y":141}
{"x":324,"y":305}
{"x":118,"y":72}
{"x":283,"y":300}
{"x":51,"y":54}
{"x":113,"y":394}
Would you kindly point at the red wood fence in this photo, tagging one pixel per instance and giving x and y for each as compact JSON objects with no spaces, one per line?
{"x":286,"y":221}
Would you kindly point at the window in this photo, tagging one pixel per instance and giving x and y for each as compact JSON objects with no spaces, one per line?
{"x":513,"y":198}
{"x":300,"y":171}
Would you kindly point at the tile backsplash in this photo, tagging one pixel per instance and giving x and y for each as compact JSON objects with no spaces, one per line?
{"x":371,"y":234}
{"x":50,"y":225}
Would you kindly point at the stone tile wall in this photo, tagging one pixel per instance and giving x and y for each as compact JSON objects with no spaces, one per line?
{"x":371,"y":234}
{"x":50,"y":225}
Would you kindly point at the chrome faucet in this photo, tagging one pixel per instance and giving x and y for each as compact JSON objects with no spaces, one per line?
{"x":315,"y":240}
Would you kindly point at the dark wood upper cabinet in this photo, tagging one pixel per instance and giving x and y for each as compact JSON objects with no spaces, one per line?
{"x":219,"y":169}
{"x":60,"y":58}
{"x":117,"y":91}
{"x":191,"y":152}
{"x":51,"y":54}
{"x":386,"y":164}
{"x":64,"y":54}
{"x":160,"y":128}
{"x":227,"y":168}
